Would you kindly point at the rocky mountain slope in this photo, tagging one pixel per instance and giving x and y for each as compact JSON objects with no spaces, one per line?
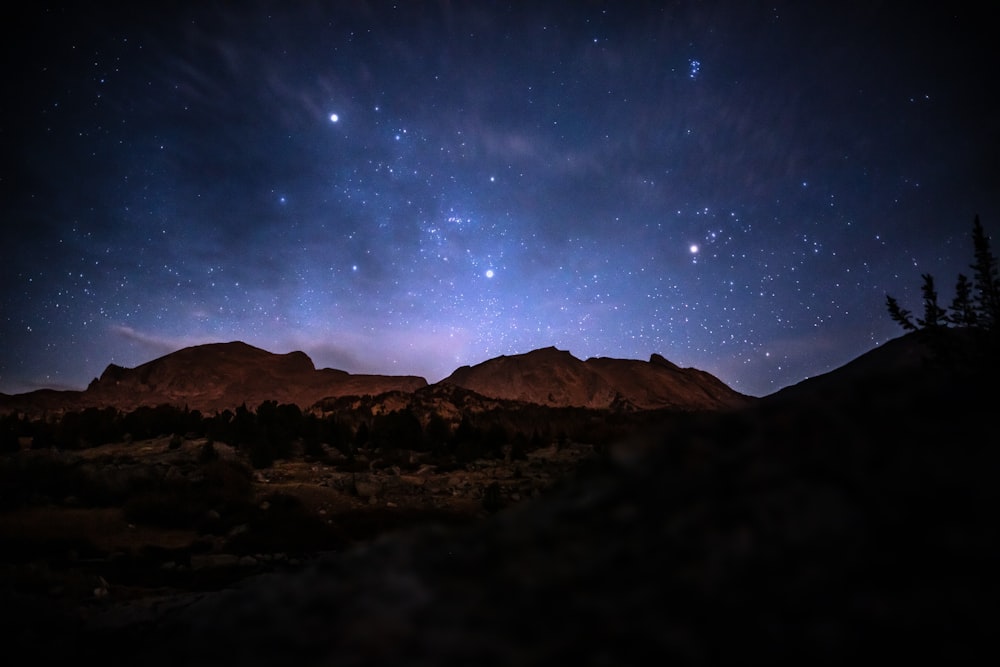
{"x":215,"y":377}
{"x":556,"y":378}
{"x":218,"y":376}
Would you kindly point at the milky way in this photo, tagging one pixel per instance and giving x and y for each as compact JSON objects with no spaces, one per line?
{"x":406,"y":189}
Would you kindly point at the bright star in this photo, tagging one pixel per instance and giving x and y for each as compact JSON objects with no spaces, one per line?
{"x":489,"y":273}
{"x":334,"y":118}
{"x":694,"y":249}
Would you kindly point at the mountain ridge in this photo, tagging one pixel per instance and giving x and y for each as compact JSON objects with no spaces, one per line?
{"x":217,"y":376}
{"x":553,"y":377}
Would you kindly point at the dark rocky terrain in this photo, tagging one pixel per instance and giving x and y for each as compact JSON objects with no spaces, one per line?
{"x":852,"y":517}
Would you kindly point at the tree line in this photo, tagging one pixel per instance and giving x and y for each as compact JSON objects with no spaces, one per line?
{"x":276,"y":431}
{"x":975,"y":305}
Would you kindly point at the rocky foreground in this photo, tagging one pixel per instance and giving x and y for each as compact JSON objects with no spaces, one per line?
{"x":848,"y":519}
{"x":814,"y":532}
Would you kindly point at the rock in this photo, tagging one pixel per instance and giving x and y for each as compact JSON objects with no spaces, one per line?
{"x":366,"y":487}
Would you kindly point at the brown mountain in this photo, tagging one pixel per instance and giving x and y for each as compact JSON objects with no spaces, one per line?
{"x":555,"y":377}
{"x":215,"y":377}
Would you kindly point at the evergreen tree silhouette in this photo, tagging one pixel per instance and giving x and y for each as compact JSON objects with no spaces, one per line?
{"x":934,"y":315}
{"x":962,"y":310}
{"x":898,"y":314}
{"x":975,"y":305}
{"x":985,"y":279}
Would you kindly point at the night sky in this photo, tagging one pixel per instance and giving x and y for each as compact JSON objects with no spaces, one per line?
{"x":405,"y":188}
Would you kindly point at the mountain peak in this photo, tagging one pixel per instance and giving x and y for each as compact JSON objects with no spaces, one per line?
{"x":550,"y":351}
{"x":549,"y":376}
{"x":217,"y":376}
{"x":658,"y":360}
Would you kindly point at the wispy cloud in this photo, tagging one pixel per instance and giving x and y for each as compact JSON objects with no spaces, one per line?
{"x":156,"y":344}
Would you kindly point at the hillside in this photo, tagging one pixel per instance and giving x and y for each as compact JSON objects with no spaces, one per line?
{"x":214,"y":377}
{"x":220,"y":376}
{"x":556,"y":378}
{"x":849,"y":522}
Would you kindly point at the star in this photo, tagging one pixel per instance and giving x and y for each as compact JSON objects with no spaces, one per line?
{"x":592,"y":182}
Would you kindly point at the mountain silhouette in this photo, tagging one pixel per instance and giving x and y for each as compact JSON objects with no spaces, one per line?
{"x":215,"y":377}
{"x":556,"y":378}
{"x":928,"y":361}
{"x":218,"y":376}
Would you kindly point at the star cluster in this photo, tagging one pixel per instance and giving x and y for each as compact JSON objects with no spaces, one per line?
{"x":409,"y":187}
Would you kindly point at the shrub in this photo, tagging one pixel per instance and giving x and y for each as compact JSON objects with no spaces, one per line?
{"x":492,"y":500}
{"x":285,"y":524}
{"x":182,"y":503}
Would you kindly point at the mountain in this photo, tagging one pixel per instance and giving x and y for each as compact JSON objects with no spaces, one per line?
{"x":850,"y":516}
{"x":213,"y":377}
{"x":555,"y":377}
{"x":923,"y":360}
{"x":217,"y":376}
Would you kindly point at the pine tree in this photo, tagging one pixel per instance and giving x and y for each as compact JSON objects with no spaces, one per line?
{"x":934,"y":315}
{"x":962,"y":311}
{"x":976,"y":306}
{"x":985,"y":279}
{"x":899,"y":315}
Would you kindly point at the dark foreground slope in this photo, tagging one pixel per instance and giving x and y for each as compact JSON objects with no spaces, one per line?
{"x":811,"y":530}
